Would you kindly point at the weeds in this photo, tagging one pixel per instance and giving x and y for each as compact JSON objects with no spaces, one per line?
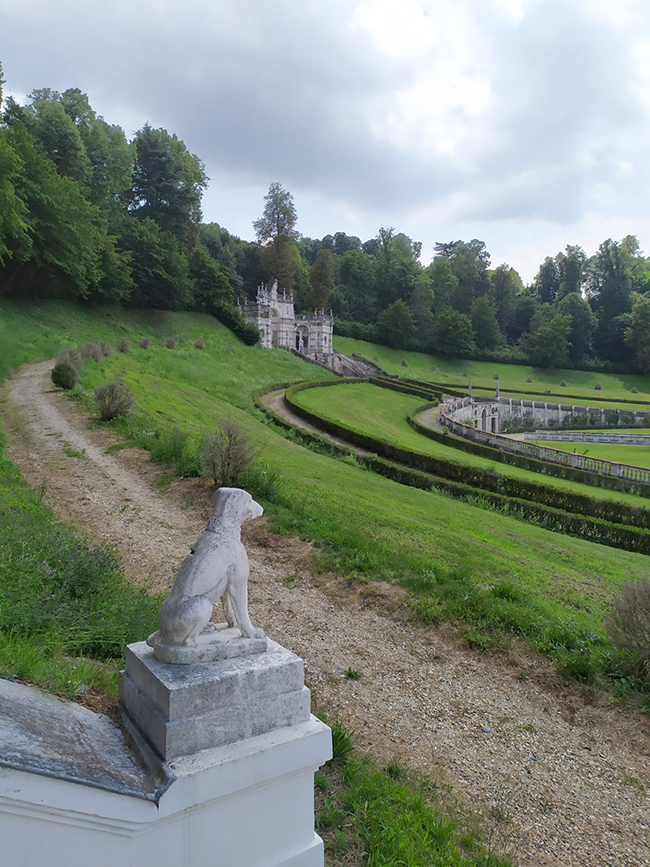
{"x":114,"y":400}
{"x":227,"y":454}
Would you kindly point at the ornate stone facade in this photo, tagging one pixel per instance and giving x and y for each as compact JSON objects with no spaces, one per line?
{"x":274,"y":315}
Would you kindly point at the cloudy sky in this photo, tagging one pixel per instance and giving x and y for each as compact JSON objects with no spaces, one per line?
{"x":525,"y":123}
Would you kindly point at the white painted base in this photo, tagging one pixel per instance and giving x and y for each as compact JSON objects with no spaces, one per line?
{"x":247,"y":804}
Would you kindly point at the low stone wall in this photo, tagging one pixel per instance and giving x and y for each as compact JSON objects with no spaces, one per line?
{"x":458,"y":416}
{"x":589,"y":437}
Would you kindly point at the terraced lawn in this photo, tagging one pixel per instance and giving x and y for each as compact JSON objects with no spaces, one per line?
{"x":382,"y":413}
{"x":437,"y":368}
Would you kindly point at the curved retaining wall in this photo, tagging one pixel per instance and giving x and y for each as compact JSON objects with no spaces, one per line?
{"x":456,"y":414}
{"x":586,"y":437}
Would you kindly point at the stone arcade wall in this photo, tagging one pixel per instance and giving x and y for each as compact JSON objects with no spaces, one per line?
{"x":464,"y":416}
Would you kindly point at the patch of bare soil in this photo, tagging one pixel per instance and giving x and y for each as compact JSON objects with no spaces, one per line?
{"x":567,"y":779}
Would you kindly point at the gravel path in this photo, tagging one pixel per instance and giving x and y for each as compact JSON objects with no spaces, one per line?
{"x":566,"y":781}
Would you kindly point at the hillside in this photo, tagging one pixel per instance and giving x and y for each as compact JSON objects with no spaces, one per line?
{"x":422,"y":700}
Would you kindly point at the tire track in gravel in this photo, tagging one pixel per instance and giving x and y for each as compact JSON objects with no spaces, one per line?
{"x":570,"y":778}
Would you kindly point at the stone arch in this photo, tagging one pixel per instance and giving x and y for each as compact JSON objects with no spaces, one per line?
{"x":302,"y":338}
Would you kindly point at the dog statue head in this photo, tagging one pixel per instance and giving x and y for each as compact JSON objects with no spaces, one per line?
{"x":233,"y":506}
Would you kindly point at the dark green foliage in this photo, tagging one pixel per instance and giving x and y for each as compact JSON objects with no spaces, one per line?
{"x":396,"y":326}
{"x":547,"y":343}
{"x":168,"y":182}
{"x":114,"y":400}
{"x":231,"y":317}
{"x":453,"y":333}
{"x":64,"y":374}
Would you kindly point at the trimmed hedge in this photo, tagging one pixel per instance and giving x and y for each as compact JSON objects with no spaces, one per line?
{"x":561,"y":471}
{"x":536,"y":393}
{"x":474,"y":477}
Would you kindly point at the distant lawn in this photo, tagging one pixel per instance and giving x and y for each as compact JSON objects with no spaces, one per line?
{"x":636,"y":456}
{"x":458,"y":371}
{"x":479,"y":567}
{"x":382,"y":413}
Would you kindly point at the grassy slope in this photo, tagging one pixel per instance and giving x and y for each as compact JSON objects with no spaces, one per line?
{"x":637,"y":456}
{"x":514,"y":376}
{"x":380,"y":412}
{"x":363,"y":523}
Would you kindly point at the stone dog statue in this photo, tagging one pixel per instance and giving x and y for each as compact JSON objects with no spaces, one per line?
{"x":216,"y":568}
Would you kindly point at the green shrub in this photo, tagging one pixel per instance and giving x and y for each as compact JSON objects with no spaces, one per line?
{"x":64,"y":374}
{"x":598,"y":386}
{"x":496,"y":376}
{"x":635,"y":390}
{"x":199,"y":344}
{"x":170,"y":343}
{"x":405,"y":363}
{"x":92,"y":350}
{"x":145,"y":343}
{"x":114,"y":400}
{"x":563,"y":383}
{"x":123,"y":345}
{"x":227,"y":454}
{"x":629,"y":624}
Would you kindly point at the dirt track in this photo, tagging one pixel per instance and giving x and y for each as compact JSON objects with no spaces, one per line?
{"x":568,"y":779}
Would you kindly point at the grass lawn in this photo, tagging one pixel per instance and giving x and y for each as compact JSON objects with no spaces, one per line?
{"x":382,"y":413}
{"x":636,"y":456}
{"x":512,"y":376}
{"x":461,"y":561}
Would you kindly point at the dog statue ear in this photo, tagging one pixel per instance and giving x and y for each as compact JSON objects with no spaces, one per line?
{"x":229,"y":501}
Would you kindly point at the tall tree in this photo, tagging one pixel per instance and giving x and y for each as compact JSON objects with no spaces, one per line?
{"x":570,"y":265}
{"x":637,"y":335}
{"x":168,"y":183}
{"x":452,"y":333}
{"x":469,"y":262}
{"x":547,"y":342}
{"x":321,"y":277}
{"x":547,"y":281}
{"x":276,"y":230}
{"x":487,"y":334}
{"x":396,"y":326}
{"x":583,"y":323}
{"x":506,"y":286}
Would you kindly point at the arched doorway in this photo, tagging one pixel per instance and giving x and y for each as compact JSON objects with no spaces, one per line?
{"x":302,"y":338}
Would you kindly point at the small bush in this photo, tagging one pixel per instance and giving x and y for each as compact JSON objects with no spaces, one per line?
{"x":629,"y":623}
{"x":635,"y":390}
{"x":199,"y":344}
{"x":73,"y":356}
{"x":123,"y":345}
{"x":64,"y":374}
{"x":375,"y":358}
{"x":227,"y":454}
{"x":496,"y":376}
{"x":405,"y":363}
{"x":464,"y":373}
{"x":106,"y":348}
{"x":145,"y":343}
{"x":170,"y":343}
{"x":598,"y":386}
{"x":563,"y":383}
{"x":530,"y":379}
{"x":91,"y":350}
{"x":114,"y":400}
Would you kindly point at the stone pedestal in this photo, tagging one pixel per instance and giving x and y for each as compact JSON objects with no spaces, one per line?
{"x":182,"y":709}
{"x":234,"y":787}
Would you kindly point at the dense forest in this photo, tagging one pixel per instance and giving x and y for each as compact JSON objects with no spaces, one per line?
{"x":87,"y":214}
